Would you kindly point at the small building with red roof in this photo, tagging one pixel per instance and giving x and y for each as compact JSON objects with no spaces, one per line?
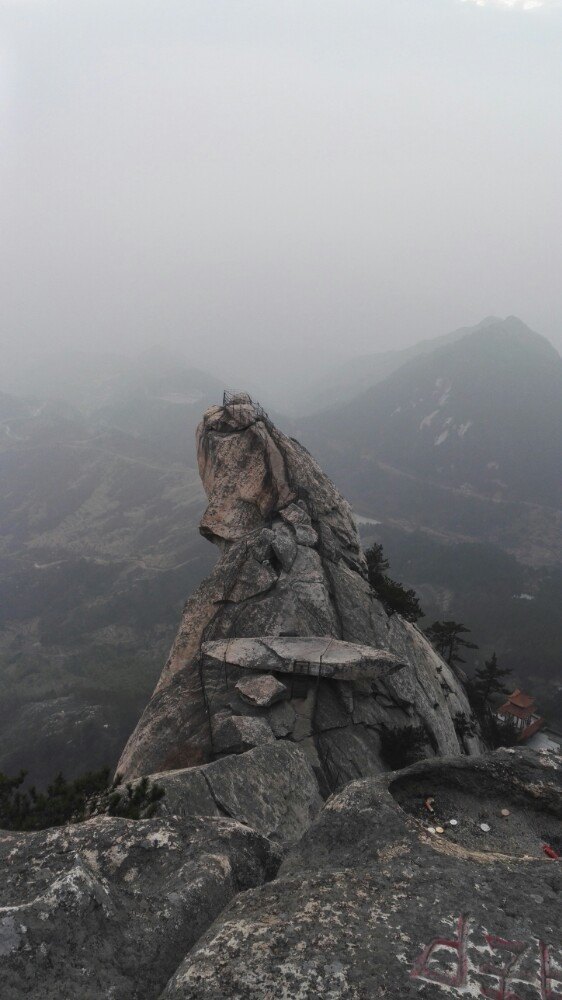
{"x":521,"y":711}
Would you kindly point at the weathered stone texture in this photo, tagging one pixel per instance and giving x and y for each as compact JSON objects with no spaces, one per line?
{"x":108,"y":908}
{"x":262,"y":691}
{"x":236,"y":733}
{"x":367,"y":903}
{"x":291,"y":565}
{"x":272,"y":789}
{"x":370,"y":904}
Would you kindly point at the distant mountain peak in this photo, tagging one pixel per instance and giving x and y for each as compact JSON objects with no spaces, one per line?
{"x":359,"y":374}
{"x":510,"y":332}
{"x":488,"y":321}
{"x":481,"y":414}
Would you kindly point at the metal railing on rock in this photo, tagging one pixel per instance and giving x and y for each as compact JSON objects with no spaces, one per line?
{"x":232,"y":400}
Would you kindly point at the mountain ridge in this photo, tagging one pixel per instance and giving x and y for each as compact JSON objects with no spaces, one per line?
{"x":352,"y":377}
{"x":462,"y":415}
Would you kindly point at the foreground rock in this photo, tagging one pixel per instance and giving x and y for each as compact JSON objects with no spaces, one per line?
{"x":272,"y":789}
{"x":288,"y":606}
{"x":109,"y":907}
{"x":371,"y":904}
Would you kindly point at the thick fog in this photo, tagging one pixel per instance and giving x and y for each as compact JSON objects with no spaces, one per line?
{"x":269,"y":184}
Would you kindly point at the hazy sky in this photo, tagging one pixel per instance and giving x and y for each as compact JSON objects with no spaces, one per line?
{"x":268,"y":181}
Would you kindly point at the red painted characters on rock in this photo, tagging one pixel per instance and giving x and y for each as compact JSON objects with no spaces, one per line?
{"x":422,"y":969}
{"x":445,"y":961}
{"x":515,"y":950}
{"x":548,"y":974}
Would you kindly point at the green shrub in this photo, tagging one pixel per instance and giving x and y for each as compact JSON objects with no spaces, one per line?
{"x":503,"y":734}
{"x":138,"y":801}
{"x":392,"y":595}
{"x":463,"y":726}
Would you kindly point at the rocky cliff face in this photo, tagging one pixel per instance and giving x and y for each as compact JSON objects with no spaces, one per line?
{"x":286,"y":639}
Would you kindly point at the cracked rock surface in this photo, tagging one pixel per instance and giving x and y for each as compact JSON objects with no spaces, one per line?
{"x":108,"y":908}
{"x":291,"y":574}
{"x":271,"y":788}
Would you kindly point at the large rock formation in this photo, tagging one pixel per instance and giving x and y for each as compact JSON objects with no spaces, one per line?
{"x":286,"y":639}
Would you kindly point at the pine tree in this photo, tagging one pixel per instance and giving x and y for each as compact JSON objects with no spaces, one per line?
{"x":447,"y":638}
{"x":392,"y":595}
{"x":377,"y":564}
{"x":487,"y":680}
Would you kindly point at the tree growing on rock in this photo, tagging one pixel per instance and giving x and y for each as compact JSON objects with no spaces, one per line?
{"x":488,"y":680}
{"x":392,"y":595}
{"x":447,"y":638}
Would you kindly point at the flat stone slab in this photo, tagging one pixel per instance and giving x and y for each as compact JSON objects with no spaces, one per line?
{"x":309,"y":655}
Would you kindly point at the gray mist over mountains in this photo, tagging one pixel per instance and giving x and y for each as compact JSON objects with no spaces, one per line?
{"x":271,"y":188}
{"x":351,"y":211}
